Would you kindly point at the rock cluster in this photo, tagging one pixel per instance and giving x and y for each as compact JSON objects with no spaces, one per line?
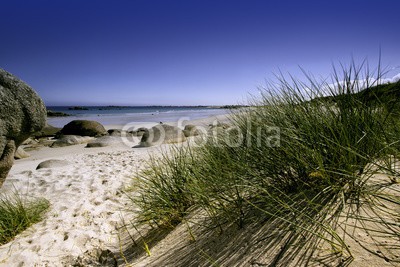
{"x":22,"y":113}
{"x":162,"y":134}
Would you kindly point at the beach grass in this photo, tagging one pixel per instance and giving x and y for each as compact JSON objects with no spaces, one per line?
{"x":17,"y":214}
{"x":306,"y":156}
{"x":166,"y":180}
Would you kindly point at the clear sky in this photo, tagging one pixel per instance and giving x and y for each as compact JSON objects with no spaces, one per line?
{"x":187,"y":52}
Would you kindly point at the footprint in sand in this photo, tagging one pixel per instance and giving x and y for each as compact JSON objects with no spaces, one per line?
{"x":35,"y":248}
{"x":29,"y":174}
{"x":42,"y":190}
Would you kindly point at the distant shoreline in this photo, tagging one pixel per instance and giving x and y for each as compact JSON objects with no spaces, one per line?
{"x":111,"y":107}
{"x":116,"y":115}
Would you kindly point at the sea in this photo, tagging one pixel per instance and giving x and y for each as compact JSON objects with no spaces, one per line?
{"x":121,"y":115}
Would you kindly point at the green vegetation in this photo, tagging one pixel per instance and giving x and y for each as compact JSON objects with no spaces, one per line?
{"x":17,"y":214}
{"x":78,"y":108}
{"x":166,"y":180}
{"x":306,"y":159}
{"x":51,"y":113}
{"x":382,"y":94}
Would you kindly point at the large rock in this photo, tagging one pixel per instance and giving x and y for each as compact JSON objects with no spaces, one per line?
{"x":115,"y":132}
{"x":139,"y":132}
{"x":104,"y":141}
{"x":22,"y":113}
{"x":34,"y":144}
{"x":70,"y":140}
{"x":47,"y":131}
{"x":52,"y":163}
{"x":162,"y":134}
{"x":191,"y":130}
{"x":21,"y":153}
{"x":84,"y":128}
{"x":30,"y":141}
{"x":46,"y":141}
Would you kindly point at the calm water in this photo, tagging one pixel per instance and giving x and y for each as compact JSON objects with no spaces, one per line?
{"x":124,"y":115}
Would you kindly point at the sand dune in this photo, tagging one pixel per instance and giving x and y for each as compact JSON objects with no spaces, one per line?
{"x":84,"y":225}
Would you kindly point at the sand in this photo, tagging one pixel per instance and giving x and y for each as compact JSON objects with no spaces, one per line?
{"x":89,"y":207}
{"x":87,"y":199}
{"x":86,"y":202}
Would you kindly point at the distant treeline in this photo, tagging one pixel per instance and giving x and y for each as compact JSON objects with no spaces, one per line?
{"x":386,"y":94}
{"x":78,"y":108}
{"x":233,"y":106}
{"x":51,"y":113}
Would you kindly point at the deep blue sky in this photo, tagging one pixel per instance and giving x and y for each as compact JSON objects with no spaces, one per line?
{"x":170,"y":52}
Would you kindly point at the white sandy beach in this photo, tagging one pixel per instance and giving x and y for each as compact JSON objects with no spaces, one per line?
{"x":87,"y":200}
